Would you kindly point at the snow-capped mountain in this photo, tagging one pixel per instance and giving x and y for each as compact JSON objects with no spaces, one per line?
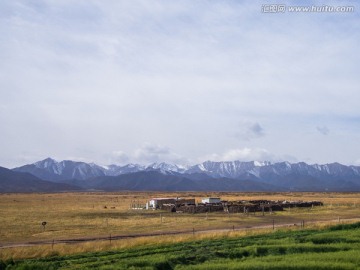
{"x":293,"y":176}
{"x":334,"y":170}
{"x":114,"y":170}
{"x":166,"y":167}
{"x":230,"y":169}
{"x":262,"y":170}
{"x":50,"y":169}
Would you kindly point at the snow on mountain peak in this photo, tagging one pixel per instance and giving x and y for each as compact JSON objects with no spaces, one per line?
{"x":45,"y":163}
{"x":165,"y":167}
{"x":231,"y":169}
{"x":261,"y":163}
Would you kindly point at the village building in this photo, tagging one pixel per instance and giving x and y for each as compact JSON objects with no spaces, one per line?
{"x":215,"y":204}
{"x":157,"y":203}
{"x":211,"y":200}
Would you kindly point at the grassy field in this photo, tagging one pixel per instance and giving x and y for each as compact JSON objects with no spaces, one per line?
{"x":333,"y":248}
{"x":77,"y":215}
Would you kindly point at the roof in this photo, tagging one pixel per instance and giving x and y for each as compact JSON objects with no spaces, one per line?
{"x":163,"y":199}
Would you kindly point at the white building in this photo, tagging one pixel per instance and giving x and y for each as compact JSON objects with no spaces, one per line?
{"x":155,"y":203}
{"x":211,"y":200}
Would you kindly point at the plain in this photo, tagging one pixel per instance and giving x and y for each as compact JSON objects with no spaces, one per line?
{"x":99,"y":215}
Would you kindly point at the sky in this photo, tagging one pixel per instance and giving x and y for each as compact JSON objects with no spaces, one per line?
{"x":119,"y":81}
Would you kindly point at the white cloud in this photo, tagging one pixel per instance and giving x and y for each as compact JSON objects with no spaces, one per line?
{"x":119,"y":157}
{"x":152,"y":153}
{"x":148,"y":153}
{"x":106,"y":76}
{"x":250,"y":130}
{"x":243,"y":154}
{"x":324,"y":130}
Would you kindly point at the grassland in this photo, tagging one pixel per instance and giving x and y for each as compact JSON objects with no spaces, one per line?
{"x":333,"y":248}
{"x":80,"y":215}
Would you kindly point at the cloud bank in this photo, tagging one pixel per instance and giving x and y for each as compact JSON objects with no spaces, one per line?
{"x":92,"y":78}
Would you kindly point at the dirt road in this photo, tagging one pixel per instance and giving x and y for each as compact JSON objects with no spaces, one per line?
{"x":168,"y":233}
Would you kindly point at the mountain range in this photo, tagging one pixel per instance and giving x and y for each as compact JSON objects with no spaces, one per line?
{"x":207,"y":176}
{"x":11,"y":181}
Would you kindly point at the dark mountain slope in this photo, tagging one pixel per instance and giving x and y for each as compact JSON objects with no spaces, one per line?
{"x":157,"y":181}
{"x":11,"y":181}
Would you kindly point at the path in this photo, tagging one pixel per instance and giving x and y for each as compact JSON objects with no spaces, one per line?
{"x":117,"y":237}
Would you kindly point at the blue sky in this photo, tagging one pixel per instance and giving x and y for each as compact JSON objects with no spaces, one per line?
{"x":178,"y":81}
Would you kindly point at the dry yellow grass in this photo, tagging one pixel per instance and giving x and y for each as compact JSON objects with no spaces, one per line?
{"x":40,"y":251}
{"x":77,"y":215}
